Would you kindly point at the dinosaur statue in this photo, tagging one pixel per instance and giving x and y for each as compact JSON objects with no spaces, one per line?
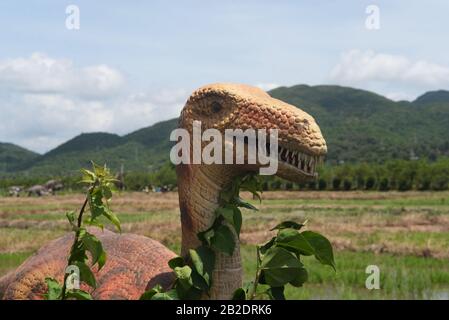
{"x":136,"y":263}
{"x":37,"y":190}
{"x":54,"y":185}
{"x":14,"y":191}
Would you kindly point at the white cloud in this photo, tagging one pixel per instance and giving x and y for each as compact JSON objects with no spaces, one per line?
{"x":142,"y":109}
{"x":42,"y":121}
{"x":361,"y":68}
{"x":398,"y":96}
{"x":267,"y":86}
{"x":46,"y":101}
{"x":42,"y":74}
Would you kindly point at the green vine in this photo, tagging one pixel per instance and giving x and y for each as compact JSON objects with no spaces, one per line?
{"x":278,"y":261}
{"x":100,"y":185}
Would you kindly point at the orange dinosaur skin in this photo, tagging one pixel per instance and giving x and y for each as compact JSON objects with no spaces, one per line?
{"x":136,"y":263}
{"x":124,"y":276}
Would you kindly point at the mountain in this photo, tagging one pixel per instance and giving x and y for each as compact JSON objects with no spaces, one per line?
{"x":142,"y":150}
{"x":433,"y":97}
{"x":156,"y":135}
{"x":12,"y":156}
{"x":86,"y":142}
{"x":358,"y":125}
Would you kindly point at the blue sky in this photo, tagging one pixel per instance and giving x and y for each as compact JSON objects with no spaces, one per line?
{"x":133,"y":63}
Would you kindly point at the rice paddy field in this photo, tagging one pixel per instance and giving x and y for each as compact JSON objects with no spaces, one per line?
{"x":405,"y":234}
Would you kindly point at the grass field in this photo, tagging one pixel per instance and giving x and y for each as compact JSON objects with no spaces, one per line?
{"x":405,"y":234}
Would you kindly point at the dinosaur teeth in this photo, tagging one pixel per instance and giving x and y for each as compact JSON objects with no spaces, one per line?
{"x":304,"y":162}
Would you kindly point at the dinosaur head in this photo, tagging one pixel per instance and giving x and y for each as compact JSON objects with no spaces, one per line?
{"x":233,"y":106}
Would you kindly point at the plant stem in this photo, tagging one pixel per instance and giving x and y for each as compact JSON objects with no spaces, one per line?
{"x":76,"y":240}
{"x":256,"y":280}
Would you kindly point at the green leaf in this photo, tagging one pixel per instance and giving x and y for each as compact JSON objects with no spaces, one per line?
{"x":206,"y":236}
{"x":276,"y":293}
{"x":169,"y":295}
{"x":86,"y":274}
{"x":176,"y":262}
{"x":242,"y":203}
{"x":262,"y":278}
{"x":280,"y":267}
{"x":237,"y":221}
{"x":227,"y":213}
{"x":96,"y":205}
{"x":227,"y":195}
{"x":288,"y":224}
{"x":203,"y":260}
{"x":239,"y":294}
{"x":113,"y":218}
{"x":232,"y":215}
{"x":198,"y":282}
{"x":300,"y":279}
{"x":100,"y":171}
{"x":147,"y":295}
{"x":94,"y":246}
{"x":322,"y":247}
{"x":252,"y":184}
{"x":292,"y":240}
{"x":189,"y":293}
{"x":71,"y":217}
{"x":102,"y":260}
{"x":54,"y":289}
{"x":107,"y":192}
{"x":78,"y":253}
{"x":88,"y":176}
{"x":184,"y":275}
{"x":78,"y":295}
{"x":248,"y":286}
{"x":94,"y":223}
{"x":267,"y":245}
{"x":157,"y":293}
{"x":223,"y":240}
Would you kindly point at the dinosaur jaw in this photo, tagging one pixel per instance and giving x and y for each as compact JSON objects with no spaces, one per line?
{"x":297,"y":166}
{"x":296,"y":163}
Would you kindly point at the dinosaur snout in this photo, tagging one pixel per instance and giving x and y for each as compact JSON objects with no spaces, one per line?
{"x":301,"y":145}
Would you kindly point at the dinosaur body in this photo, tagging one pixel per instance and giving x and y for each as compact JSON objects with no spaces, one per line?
{"x":136,"y":272}
{"x":38,"y":191}
{"x":134,"y":262}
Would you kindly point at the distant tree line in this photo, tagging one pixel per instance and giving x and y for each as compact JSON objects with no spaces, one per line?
{"x":399,"y":175}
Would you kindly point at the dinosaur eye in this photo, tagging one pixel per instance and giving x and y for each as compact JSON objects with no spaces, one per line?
{"x":216,"y":107}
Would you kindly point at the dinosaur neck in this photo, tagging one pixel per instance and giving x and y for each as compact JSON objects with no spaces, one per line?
{"x":199,"y":187}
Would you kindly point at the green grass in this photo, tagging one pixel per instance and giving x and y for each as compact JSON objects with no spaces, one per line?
{"x":415,"y":238}
{"x":401,"y":277}
{"x":9,"y":261}
{"x":127,"y":217}
{"x":407,"y":224}
{"x":397,"y":202}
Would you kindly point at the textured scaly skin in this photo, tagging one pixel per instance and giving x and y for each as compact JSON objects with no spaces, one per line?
{"x":136,"y":263}
{"x":133,"y":262}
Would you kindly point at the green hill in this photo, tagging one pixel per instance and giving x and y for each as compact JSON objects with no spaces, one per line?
{"x":143,"y":150}
{"x":12,"y":156}
{"x":86,"y":142}
{"x":362,"y":126}
{"x":432,"y":97}
{"x":358,"y":126}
